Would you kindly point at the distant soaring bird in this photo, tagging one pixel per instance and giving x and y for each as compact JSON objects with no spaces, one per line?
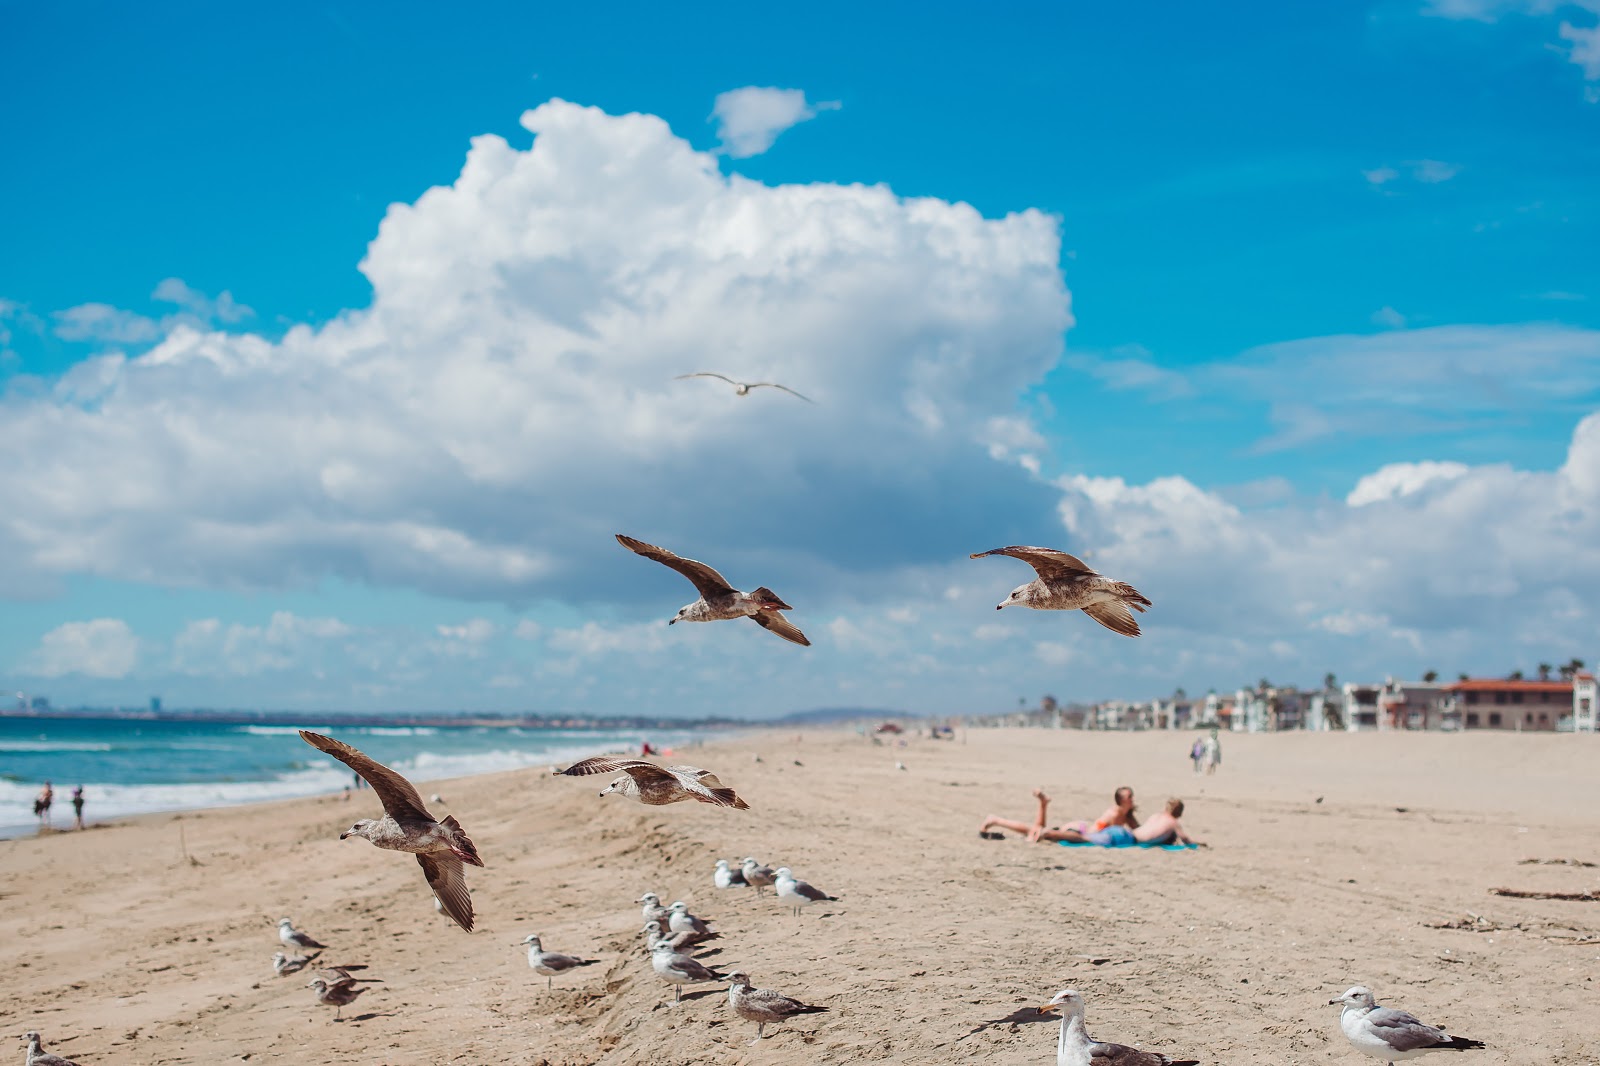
{"x":1067,"y":583}
{"x":719,"y":600}
{"x":440,"y":846}
{"x":741,"y":388}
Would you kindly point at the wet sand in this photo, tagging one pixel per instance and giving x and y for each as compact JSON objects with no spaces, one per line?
{"x":120,"y":950}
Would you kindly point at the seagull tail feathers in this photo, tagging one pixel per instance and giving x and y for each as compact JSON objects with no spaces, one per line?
{"x":1459,"y":1043}
{"x":1131,"y":596}
{"x":463,"y":846}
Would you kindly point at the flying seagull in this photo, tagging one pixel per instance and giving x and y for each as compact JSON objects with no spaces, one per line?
{"x":294,"y":938}
{"x":551,"y":963}
{"x":719,"y":600}
{"x":762,"y":1005}
{"x":742,"y":388}
{"x":1076,"y":1047}
{"x":38,"y":1056}
{"x":1391,"y":1035}
{"x":440,"y":846}
{"x":1067,"y":583}
{"x":657,"y":785}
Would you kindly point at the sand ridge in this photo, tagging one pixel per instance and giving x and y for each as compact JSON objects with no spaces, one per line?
{"x":120,"y":951}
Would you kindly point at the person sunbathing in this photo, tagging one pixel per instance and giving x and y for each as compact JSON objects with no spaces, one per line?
{"x":1164,"y":828}
{"x":1120,"y":815}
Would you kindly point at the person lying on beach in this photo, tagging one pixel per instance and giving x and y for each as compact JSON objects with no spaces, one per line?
{"x":1164,"y":828}
{"x":1119,"y":814}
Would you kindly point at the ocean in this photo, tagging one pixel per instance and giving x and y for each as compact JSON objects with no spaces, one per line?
{"x":135,"y":766}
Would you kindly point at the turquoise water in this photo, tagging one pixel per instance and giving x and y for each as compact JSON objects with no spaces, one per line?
{"x":136,"y":766}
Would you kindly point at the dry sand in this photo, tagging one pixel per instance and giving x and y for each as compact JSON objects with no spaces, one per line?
{"x":120,"y":951}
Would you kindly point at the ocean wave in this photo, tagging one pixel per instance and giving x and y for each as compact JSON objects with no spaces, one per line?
{"x":281,"y":730}
{"x":397,"y":731}
{"x":52,"y":745}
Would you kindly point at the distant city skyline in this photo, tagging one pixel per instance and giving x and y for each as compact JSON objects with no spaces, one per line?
{"x":333,"y":390}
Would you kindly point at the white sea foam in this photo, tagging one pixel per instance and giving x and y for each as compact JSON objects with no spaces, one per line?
{"x":282,"y":730}
{"x":52,"y":745}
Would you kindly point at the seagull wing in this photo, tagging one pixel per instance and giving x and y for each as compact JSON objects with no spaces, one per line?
{"x":776,"y":1004}
{"x":706,"y":374}
{"x":640,"y":771}
{"x":1404,"y":1032}
{"x":1102,"y":1054}
{"x":1115,"y":616}
{"x":777,"y":624}
{"x":775,"y":385}
{"x":399,"y":796}
{"x":704,"y":786}
{"x":705,"y":579}
{"x":810,"y":891}
{"x":444,"y":875}
{"x":1049,"y":562}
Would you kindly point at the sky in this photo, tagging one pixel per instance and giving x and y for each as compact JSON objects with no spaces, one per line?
{"x":336,"y":342}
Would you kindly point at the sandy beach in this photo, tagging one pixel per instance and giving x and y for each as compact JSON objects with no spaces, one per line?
{"x":1332,"y":859}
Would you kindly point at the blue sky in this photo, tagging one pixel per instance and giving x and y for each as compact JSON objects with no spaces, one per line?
{"x":1254,"y":260}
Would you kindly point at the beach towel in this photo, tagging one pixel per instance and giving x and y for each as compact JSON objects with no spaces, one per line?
{"x":1146,"y":847}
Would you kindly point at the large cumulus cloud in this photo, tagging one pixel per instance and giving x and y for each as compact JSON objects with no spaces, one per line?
{"x":508,"y":400}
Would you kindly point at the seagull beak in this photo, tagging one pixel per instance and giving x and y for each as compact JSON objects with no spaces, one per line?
{"x":343,"y":835}
{"x":1331,"y":1002}
{"x":1046,"y":1008}
{"x":999,"y":606}
{"x":672,"y":621}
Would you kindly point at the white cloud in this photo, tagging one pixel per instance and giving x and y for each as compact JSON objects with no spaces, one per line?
{"x":472,"y":631}
{"x":103,"y":324}
{"x":106,"y":324}
{"x":1432,"y":171}
{"x":750,"y":119}
{"x":1584,"y":40}
{"x":1380,"y":175}
{"x":209,"y":648}
{"x":1388,"y":317}
{"x":1402,"y":479}
{"x":1585,"y":52}
{"x":102,"y":648}
{"x":508,"y":399}
{"x":222,"y":309}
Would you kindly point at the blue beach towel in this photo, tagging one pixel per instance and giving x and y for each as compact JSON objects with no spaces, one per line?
{"x":1146,"y":847}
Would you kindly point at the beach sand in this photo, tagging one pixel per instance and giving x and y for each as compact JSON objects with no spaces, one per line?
{"x":121,"y":951}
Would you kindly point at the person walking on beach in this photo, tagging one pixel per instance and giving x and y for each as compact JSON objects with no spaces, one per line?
{"x":77,"y":807}
{"x":1213,"y":753}
{"x":1197,"y":753}
{"x":41,"y":805}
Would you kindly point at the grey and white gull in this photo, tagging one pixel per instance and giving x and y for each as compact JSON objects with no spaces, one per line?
{"x":283,"y":965}
{"x":757,"y":875}
{"x":680,"y":969}
{"x":551,"y":963}
{"x":336,"y":994}
{"x":658,"y":785}
{"x":38,"y":1056}
{"x":762,"y":1005}
{"x":1391,"y":1035}
{"x":1075,"y":1047}
{"x":796,"y":893}
{"x":294,"y":938}
{"x":1067,"y":583}
{"x":720,"y":601}
{"x":652,"y":910}
{"x":726,"y":877}
{"x":686,"y":942}
{"x":679,"y":920}
{"x":742,"y":388}
{"x":441,"y":847}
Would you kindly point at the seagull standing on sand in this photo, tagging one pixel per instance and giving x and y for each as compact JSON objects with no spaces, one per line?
{"x":440,"y":846}
{"x":679,"y":920}
{"x":798,"y":894}
{"x":38,"y":1056}
{"x":1391,"y":1035}
{"x":756,"y":875}
{"x":294,"y":938}
{"x":339,"y":995}
{"x":762,"y":1005}
{"x":653,"y":911}
{"x":658,"y":785}
{"x":741,"y":388}
{"x":680,"y":969}
{"x":1066,"y":583}
{"x":719,"y":600}
{"x":284,"y":965}
{"x":551,"y":963}
{"x":1076,"y":1047}
{"x":725,"y":877}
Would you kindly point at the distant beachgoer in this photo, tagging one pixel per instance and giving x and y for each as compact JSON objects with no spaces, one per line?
{"x":645,"y":750}
{"x":1119,"y":815}
{"x":77,"y":807}
{"x":1197,"y":754}
{"x":41,"y":805}
{"x":1213,"y":753}
{"x":1165,"y":828}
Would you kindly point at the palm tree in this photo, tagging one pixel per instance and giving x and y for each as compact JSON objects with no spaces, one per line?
{"x":1430,"y":677}
{"x":1571,"y":669}
{"x":1515,"y":675}
{"x":1544,"y":671}
{"x":1329,"y":682}
{"x":1461,"y":677}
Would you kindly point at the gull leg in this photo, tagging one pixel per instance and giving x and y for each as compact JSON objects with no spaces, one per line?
{"x":757,"y":1040}
{"x":549,"y":983}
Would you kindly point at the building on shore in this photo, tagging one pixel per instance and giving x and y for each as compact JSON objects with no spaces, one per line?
{"x":1510,"y":703}
{"x":1585,"y":702}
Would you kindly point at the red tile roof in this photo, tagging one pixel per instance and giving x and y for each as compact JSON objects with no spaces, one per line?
{"x":1492,"y":684}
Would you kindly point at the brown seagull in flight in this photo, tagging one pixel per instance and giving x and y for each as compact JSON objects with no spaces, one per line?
{"x":1066,"y":583}
{"x":718,"y":599}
